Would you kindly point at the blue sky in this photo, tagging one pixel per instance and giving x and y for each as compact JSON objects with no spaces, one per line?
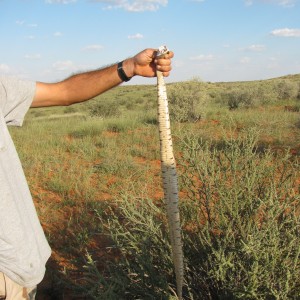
{"x":214,"y":40}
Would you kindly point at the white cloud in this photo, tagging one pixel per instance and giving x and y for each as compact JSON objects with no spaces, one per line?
{"x":272,"y":59}
{"x":135,"y":5}
{"x":254,"y":48}
{"x":30,"y":37}
{"x":57,"y":34}
{"x":286,"y":32}
{"x":287,"y":3}
{"x":92,"y":48}
{"x":284,"y":3}
{"x":20,"y":23}
{"x":245,"y":60}
{"x":137,"y":36}
{"x":66,"y":65}
{"x":273,"y":63}
{"x":203,"y":57}
{"x":248,"y":2}
{"x":4,"y":68}
{"x":60,"y":1}
{"x":33,"y":56}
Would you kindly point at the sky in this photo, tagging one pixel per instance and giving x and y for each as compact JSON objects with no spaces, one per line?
{"x":213,"y":40}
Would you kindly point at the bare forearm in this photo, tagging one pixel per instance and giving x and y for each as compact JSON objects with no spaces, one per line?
{"x":77,"y":88}
{"x":85,"y":86}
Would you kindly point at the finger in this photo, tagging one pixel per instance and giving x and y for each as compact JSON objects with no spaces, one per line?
{"x":164,"y":69}
{"x":163,"y":62}
{"x":170,"y":54}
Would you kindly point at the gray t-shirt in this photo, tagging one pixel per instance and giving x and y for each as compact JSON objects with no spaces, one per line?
{"x":24,"y":249}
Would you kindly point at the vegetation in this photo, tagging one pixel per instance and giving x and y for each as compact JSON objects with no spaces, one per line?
{"x":94,"y":173}
{"x":187,"y":101}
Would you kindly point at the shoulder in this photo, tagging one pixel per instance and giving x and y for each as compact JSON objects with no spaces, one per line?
{"x":16,"y":95}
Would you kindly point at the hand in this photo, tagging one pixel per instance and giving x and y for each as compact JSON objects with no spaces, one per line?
{"x":146,"y":64}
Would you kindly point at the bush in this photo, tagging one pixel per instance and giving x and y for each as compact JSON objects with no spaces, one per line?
{"x":298,"y":95}
{"x":253,"y":94}
{"x":238,"y":97}
{"x":240,"y":226}
{"x":105,"y":109}
{"x":187,"y":101}
{"x":144,"y":267}
{"x":244,"y":211}
{"x":286,"y":89}
{"x":265,"y":93}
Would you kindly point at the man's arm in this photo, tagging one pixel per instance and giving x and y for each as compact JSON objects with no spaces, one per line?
{"x":87,"y":85}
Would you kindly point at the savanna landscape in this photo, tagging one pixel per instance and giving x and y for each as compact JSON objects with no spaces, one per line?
{"x":94,"y":173}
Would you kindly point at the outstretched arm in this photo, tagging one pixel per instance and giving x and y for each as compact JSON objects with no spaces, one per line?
{"x":84,"y":86}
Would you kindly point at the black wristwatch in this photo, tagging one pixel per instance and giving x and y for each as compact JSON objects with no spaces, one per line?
{"x":121,"y":72}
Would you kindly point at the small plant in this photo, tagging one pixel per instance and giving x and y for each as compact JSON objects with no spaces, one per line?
{"x":187,"y":101}
{"x":240,"y":97}
{"x":286,"y":89}
{"x":105,"y":109}
{"x":144,"y":267}
{"x":242,"y":220}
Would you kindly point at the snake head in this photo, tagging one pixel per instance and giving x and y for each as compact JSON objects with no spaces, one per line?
{"x":162,"y":50}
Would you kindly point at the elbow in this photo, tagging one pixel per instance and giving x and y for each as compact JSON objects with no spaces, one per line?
{"x":48,"y":94}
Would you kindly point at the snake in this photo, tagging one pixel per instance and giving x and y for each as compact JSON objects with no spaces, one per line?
{"x":169,"y":177}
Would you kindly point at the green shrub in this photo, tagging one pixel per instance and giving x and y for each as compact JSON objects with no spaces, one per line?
{"x":298,"y":95}
{"x":144,"y":267}
{"x":70,"y":109}
{"x":241,"y":230}
{"x":244,"y":211}
{"x":252,"y":94}
{"x":265,"y":93}
{"x":187,"y":101}
{"x":244,"y":96}
{"x":286,"y":89}
{"x":86,"y":129}
{"x":105,"y":109}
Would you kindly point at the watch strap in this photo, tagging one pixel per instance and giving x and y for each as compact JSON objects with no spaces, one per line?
{"x":122,"y":73}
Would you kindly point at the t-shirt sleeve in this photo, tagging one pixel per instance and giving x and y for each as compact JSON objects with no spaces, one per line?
{"x":16,"y":96}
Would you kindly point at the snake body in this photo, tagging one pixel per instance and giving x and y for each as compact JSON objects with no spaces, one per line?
{"x":169,"y":177}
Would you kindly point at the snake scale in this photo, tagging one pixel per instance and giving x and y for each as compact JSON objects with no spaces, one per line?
{"x":169,"y":176}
